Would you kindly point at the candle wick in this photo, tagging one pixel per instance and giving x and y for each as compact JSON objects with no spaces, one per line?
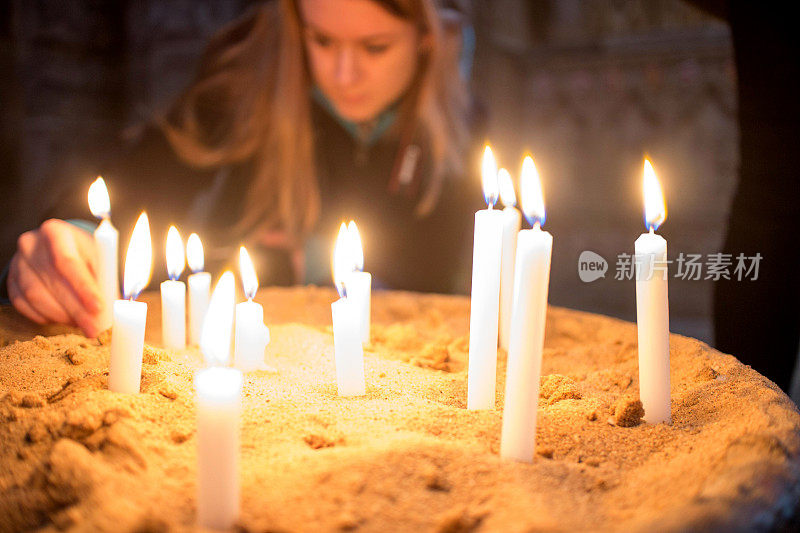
{"x":537,"y":225}
{"x":652,"y":230}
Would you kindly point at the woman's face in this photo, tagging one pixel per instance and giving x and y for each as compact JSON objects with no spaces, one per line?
{"x":362,"y":57}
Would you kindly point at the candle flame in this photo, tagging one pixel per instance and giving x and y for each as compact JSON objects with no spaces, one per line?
{"x":215,"y":339}
{"x":357,"y":249}
{"x":99,"y":204}
{"x":176,"y":258}
{"x":194,"y":253}
{"x":342,"y":262}
{"x":530,"y":189}
{"x":655,"y":208}
{"x":489,"y":177}
{"x":248,"y":273}
{"x":506,"y":184}
{"x":139,"y":259}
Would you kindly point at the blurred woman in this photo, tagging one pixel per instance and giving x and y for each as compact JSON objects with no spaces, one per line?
{"x":303,"y":114}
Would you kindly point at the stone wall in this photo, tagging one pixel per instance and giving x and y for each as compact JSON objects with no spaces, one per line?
{"x":80,"y":72}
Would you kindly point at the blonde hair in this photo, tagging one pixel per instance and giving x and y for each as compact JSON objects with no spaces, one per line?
{"x":250,"y":101}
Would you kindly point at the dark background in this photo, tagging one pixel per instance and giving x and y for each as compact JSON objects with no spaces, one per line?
{"x":587,"y":86}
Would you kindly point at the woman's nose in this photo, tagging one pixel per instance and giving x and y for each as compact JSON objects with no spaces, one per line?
{"x":346,"y":67}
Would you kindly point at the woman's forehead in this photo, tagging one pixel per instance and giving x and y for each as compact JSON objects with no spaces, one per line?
{"x":351,"y":19}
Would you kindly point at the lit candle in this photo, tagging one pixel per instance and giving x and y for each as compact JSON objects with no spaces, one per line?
{"x":252,"y":336}
{"x":534,"y":249}
{"x":219,"y":405}
{"x":485,"y":299}
{"x":512,"y":221}
{"x":130,"y":316}
{"x":652,"y":305}
{"x":173,"y":295}
{"x":199,"y":288}
{"x":106,"y":243}
{"x":359,"y":283}
{"x":347,"y":348}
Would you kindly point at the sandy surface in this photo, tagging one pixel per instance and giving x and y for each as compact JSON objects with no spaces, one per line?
{"x":408,"y":455}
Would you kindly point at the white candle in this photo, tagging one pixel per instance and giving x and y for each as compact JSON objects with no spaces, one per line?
{"x":512,"y":221}
{"x":359,"y":283}
{"x":129,"y":317}
{"x":106,"y":243}
{"x":199,"y":287}
{"x":652,"y":306}
{"x":127,"y":346}
{"x":252,"y":336}
{"x":219,"y":400}
{"x":215,"y":340}
{"x":534,"y":250}
{"x":347,"y":332}
{"x":485,"y":299}
{"x":173,"y":295}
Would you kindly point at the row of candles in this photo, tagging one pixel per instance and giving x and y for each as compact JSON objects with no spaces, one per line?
{"x":511,"y":269}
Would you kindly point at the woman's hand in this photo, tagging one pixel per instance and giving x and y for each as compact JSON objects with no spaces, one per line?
{"x":52,"y":277}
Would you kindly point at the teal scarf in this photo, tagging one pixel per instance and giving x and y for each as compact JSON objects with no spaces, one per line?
{"x":383,"y":121}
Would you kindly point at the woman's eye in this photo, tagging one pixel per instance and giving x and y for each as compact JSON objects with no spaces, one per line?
{"x":376,"y":48}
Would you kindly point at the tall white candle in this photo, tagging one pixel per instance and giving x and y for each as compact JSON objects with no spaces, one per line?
{"x":173,"y":295}
{"x":106,"y":242}
{"x":512,"y":221}
{"x":129,"y":320}
{"x":252,"y":336}
{"x":534,"y":250}
{"x":219,"y":400}
{"x":347,"y":332}
{"x":485,"y":299}
{"x":359,"y":283}
{"x":199,"y":287}
{"x":652,"y":306}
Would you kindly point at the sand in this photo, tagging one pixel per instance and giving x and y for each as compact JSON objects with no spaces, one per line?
{"x":408,"y":455}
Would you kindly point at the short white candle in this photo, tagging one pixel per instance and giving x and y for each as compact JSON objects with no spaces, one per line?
{"x":199,"y":287}
{"x":219,"y":401}
{"x":173,"y":295}
{"x":359,"y":283}
{"x":129,"y":318}
{"x":252,"y":336}
{"x":347,"y":332}
{"x":534,"y":250}
{"x":512,"y":221}
{"x":106,"y":242}
{"x":127,"y":346}
{"x":485,"y":298}
{"x":652,"y":306}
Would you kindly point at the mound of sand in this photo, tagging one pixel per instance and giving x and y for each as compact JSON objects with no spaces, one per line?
{"x":406,"y":456}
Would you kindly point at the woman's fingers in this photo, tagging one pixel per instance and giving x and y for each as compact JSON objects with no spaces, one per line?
{"x":63,"y":293}
{"x":69,"y":255}
{"x":52,"y":253}
{"x":17,"y":296}
{"x":35,"y":294}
